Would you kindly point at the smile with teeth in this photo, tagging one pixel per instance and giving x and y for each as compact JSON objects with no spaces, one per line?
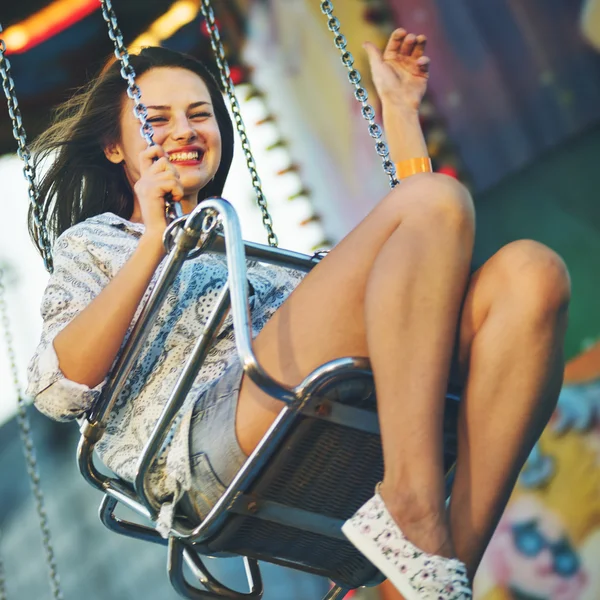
{"x":185,"y":156}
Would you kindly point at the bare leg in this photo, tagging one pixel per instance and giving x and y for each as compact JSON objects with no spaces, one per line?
{"x":512,"y":332}
{"x":388,"y":592}
{"x":394,"y":288}
{"x":511,"y":338}
{"x":411,"y":311}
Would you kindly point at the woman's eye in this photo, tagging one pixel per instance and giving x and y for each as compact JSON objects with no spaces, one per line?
{"x":200,"y":115}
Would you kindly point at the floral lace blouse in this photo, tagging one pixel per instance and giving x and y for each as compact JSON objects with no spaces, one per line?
{"x":86,"y":257}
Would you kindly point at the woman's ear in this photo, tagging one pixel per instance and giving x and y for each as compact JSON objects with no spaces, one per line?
{"x":114,"y":153}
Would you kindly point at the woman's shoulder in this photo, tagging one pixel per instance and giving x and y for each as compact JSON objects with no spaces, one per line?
{"x":106,"y":240}
{"x":100,"y":228}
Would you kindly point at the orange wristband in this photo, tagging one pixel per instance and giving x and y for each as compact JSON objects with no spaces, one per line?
{"x":412,"y":166}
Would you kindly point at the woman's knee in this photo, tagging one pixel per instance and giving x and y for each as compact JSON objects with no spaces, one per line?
{"x":442,"y":203}
{"x":536,"y":275}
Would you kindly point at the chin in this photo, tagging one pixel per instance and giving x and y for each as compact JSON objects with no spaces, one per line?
{"x":192,"y":186}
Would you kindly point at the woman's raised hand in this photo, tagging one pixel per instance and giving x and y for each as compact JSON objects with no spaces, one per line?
{"x":401,"y":72}
{"x":158,"y":177}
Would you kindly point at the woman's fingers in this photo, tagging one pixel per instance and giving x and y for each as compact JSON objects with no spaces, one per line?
{"x":164,"y":165}
{"x":374,"y":56}
{"x":395,"y":42}
{"x":168,"y":182}
{"x":408,"y":45}
{"x":160,"y":164}
{"x":420,"y":44}
{"x":424,"y":63}
{"x":149,"y":155}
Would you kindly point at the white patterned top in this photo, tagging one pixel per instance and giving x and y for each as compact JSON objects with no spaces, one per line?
{"x":86,"y":257}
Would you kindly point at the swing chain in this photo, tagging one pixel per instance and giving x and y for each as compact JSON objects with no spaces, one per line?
{"x":20,"y":136}
{"x":229,"y":87}
{"x":354,"y":76}
{"x":28,"y":447}
{"x":127,"y":73}
{"x":3,"y":595}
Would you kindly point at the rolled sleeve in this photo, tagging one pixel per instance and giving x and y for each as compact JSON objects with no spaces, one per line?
{"x":77,"y":279}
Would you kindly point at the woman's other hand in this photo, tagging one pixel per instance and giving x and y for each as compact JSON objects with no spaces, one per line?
{"x":158,"y":177}
{"x":401,"y":72}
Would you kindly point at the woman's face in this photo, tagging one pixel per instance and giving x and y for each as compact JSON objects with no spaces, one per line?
{"x":182,"y":116}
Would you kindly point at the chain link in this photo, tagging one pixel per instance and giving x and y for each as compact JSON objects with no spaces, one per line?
{"x":354,"y":76}
{"x":8,"y":85}
{"x":3,"y":595}
{"x":172,"y":209}
{"x":127,"y":72}
{"x":28,"y":447}
{"x":228,"y":86}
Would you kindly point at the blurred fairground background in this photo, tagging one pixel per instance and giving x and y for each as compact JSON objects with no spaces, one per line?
{"x":513,"y":111}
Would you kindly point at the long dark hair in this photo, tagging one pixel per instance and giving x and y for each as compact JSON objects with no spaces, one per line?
{"x":79,"y":181}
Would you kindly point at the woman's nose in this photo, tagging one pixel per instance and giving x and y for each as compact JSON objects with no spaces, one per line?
{"x":183,"y":129}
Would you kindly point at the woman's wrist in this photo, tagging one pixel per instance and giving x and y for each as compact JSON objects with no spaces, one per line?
{"x":152,"y":241}
{"x":403,"y":132}
{"x":393,"y":102}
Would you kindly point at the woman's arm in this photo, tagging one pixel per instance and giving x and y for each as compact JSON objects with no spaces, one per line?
{"x":400,"y":75}
{"x":86,"y":348}
{"x":403,"y":131}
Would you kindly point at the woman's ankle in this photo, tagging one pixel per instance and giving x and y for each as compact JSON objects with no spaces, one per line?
{"x":422,"y":520}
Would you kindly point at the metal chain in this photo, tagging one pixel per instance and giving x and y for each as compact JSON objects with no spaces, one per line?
{"x":3,"y":595}
{"x":28,"y":447}
{"x":354,"y":76}
{"x":127,"y":72}
{"x":229,"y":87}
{"x":19,"y":134}
{"x":172,"y":209}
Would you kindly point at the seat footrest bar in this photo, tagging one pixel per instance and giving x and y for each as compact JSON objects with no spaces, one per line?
{"x":177,"y":549}
{"x":286,"y":515}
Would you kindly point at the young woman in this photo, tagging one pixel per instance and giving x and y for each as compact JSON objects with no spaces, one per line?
{"x":399,"y":291}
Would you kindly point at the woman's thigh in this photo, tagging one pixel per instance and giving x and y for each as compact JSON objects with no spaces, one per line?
{"x":323,"y":319}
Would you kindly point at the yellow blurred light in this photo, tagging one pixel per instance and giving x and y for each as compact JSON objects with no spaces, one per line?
{"x":47,"y":22}
{"x":142,"y":41}
{"x":177,"y":16}
{"x":16,"y":37}
{"x":181,"y":13}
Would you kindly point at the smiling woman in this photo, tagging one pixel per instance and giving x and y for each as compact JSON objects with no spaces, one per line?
{"x":401,"y":294}
{"x":86,"y":133}
{"x":187,"y":151}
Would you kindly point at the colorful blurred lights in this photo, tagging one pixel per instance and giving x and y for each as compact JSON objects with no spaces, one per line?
{"x":181,"y":13}
{"x":46,"y":23}
{"x":448,"y":170}
{"x":16,"y":38}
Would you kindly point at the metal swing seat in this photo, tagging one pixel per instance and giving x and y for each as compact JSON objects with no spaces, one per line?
{"x":318,"y":463}
{"x":320,"y":460}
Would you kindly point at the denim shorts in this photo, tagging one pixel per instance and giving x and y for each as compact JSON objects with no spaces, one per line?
{"x":215,"y":453}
